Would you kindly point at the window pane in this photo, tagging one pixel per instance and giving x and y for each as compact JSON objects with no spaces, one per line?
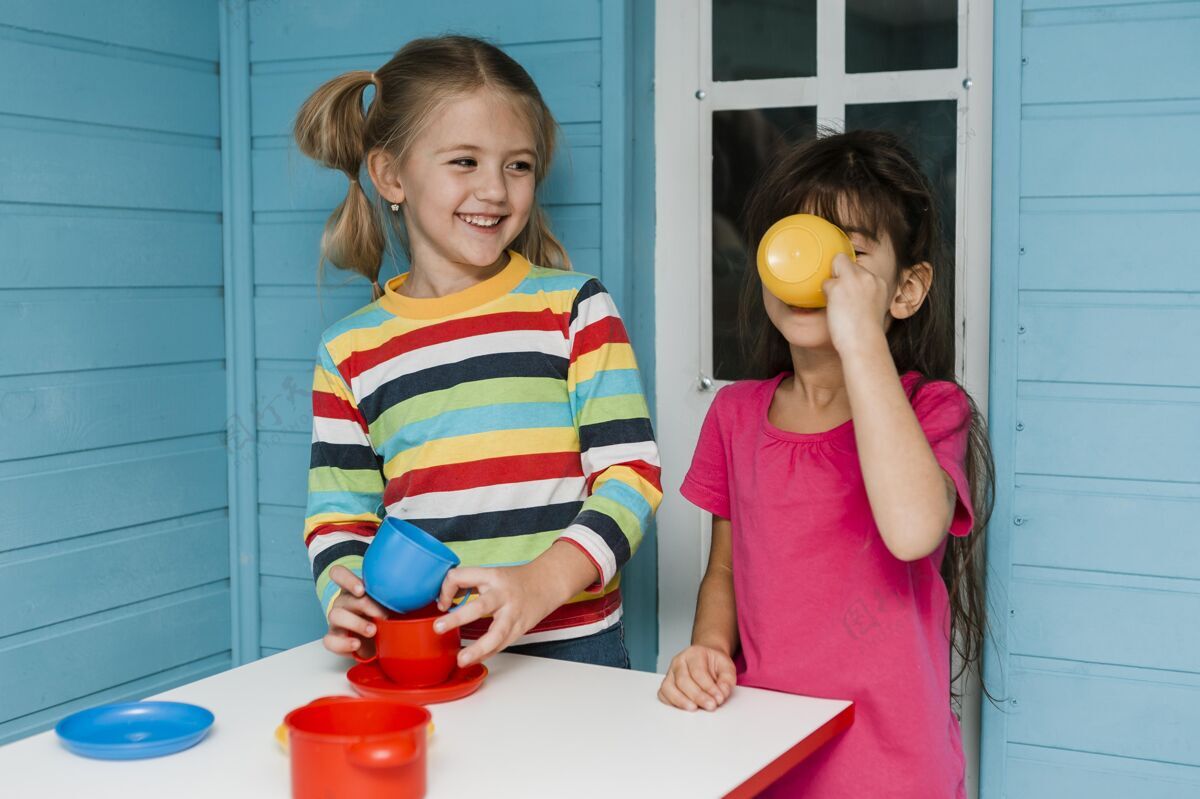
{"x":929,"y":129}
{"x":764,"y":39}
{"x":892,"y":35}
{"x":744,"y":144}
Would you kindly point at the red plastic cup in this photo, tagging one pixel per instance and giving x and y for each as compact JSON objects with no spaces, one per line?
{"x":410,"y":653}
{"x":345,"y":746}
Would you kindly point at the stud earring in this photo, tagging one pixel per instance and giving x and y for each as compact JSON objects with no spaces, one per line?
{"x":395,"y":207}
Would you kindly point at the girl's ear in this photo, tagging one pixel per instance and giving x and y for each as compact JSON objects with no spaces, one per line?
{"x":381,"y":167}
{"x":912,"y":290}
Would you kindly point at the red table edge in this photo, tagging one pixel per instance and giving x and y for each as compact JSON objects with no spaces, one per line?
{"x":792,"y":757}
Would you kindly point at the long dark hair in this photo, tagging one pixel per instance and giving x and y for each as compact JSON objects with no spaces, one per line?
{"x":869,"y":179}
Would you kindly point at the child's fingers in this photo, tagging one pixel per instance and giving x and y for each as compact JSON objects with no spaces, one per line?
{"x":365,"y":606}
{"x":341,"y":644}
{"x":456,"y":580}
{"x":465,"y":614}
{"x":348,"y":620}
{"x":695,"y":683}
{"x":347,"y":580}
{"x":670,"y":693}
{"x":485,"y":647}
{"x":688,"y":687}
{"x":700,"y":674}
{"x":726,"y":675}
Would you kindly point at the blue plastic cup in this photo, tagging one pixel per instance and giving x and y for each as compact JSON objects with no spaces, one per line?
{"x":404,"y":566}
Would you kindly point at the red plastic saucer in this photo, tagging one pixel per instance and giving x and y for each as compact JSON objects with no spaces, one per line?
{"x":369,"y":680}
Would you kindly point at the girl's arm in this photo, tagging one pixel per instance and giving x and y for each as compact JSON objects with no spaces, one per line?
{"x":703,"y":675}
{"x":716,"y":608}
{"x":345,"y":485}
{"x":912,"y":498}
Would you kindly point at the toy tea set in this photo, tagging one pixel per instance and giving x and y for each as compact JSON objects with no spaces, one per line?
{"x":373,"y":744}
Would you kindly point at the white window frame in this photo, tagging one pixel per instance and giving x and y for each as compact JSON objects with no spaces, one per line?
{"x":685,"y":97}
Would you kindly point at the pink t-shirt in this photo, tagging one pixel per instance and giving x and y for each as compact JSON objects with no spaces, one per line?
{"x":823,"y":608}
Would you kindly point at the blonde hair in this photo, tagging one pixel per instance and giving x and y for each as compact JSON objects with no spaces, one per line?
{"x":332,"y":128}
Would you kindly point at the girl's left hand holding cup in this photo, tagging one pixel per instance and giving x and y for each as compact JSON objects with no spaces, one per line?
{"x":351,"y":629}
{"x":857,"y":304}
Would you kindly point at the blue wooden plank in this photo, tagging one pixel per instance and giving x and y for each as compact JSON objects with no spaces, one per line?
{"x":285,"y":396}
{"x":117,"y":569}
{"x":567,"y":74}
{"x":74,"y":659}
{"x":97,"y":168}
{"x":1041,"y":773}
{"x":1121,"y":439}
{"x":316,"y":29}
{"x":290,"y":327}
{"x":283,"y":469}
{"x":1110,"y":59}
{"x":1055,"y":242}
{"x":1090,"y":524}
{"x":1101,"y":618}
{"x":1148,"y":149}
{"x":1107,"y":710}
{"x":286,"y":251}
{"x":291,"y":613}
{"x":137,"y":485}
{"x":96,"y":331}
{"x":107,"y":89}
{"x":285,"y":180}
{"x":180,"y":27}
{"x":1002,"y":382}
{"x":281,"y":542}
{"x":126,"y":692}
{"x":1110,"y":338}
{"x":45,"y":248}
{"x":45,"y":415}
{"x":237,"y":215}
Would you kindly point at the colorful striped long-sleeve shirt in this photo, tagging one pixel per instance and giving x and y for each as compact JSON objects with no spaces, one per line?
{"x":499,"y":419}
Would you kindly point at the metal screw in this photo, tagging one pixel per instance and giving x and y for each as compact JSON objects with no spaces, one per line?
{"x":1024,"y":61}
{"x":1014,"y":703}
{"x":1022,"y":251}
{"x":1020,"y":426}
{"x":701,"y":94}
{"x":1018,"y":520}
{"x":1020,"y":328}
{"x":968,"y":83}
{"x":706,"y":382}
{"x":1012,"y":613}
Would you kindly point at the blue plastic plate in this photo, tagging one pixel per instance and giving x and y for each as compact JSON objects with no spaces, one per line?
{"x":134,"y":729}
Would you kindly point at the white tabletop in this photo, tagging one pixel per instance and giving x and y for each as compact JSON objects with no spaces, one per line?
{"x":535,"y":728}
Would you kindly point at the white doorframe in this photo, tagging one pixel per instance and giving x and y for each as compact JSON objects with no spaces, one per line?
{"x":685,"y":97}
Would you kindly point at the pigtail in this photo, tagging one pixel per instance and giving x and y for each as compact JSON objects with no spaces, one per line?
{"x":330,"y":129}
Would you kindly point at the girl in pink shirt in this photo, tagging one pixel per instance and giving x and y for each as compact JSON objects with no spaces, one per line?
{"x":849,"y":487}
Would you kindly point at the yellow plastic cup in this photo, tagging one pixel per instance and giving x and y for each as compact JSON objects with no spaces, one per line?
{"x":795,"y":257}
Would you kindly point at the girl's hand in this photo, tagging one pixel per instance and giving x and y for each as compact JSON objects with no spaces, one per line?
{"x":350,"y":626}
{"x":516,"y":597}
{"x":857,"y":305}
{"x":699,"y":676}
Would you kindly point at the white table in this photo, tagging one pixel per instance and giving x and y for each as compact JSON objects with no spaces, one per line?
{"x":535,"y":728}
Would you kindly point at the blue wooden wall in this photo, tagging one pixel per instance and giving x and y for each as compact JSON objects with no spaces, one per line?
{"x":114,"y":553}
{"x":581,"y":55}
{"x":1095,"y":402}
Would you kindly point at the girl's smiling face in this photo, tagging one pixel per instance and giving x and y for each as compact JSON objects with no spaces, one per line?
{"x":466,"y":184}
